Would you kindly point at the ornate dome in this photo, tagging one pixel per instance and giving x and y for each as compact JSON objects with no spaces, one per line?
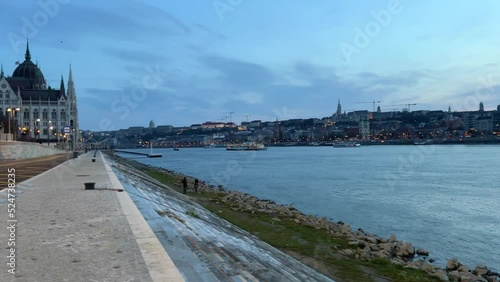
{"x":30,"y":71}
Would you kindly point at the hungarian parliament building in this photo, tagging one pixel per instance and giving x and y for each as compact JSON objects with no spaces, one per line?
{"x":32,"y":110}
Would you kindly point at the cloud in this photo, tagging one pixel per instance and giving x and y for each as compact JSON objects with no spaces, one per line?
{"x":209,"y":31}
{"x":250,"y":98}
{"x":238,"y":73}
{"x":135,"y":56}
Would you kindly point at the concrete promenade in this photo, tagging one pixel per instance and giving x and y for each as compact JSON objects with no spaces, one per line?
{"x":66,"y":233}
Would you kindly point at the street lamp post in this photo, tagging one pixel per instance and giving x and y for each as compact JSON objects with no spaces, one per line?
{"x":48,"y":131}
{"x":9,"y":110}
{"x":17,"y":128}
{"x":37,"y":135}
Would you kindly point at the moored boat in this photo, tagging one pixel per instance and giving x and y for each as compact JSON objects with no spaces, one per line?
{"x":346,"y":145}
{"x":248,"y":146}
{"x":425,"y":142}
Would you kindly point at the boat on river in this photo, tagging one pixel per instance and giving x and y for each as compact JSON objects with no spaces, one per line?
{"x":423,"y":142}
{"x":247,"y":146}
{"x":346,"y":145}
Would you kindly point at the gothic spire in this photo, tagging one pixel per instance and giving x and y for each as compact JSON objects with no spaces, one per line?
{"x":27,"y":56}
{"x":62,"y":85}
{"x":70,"y":79}
{"x":71,"y":86}
{"x":1,"y":72}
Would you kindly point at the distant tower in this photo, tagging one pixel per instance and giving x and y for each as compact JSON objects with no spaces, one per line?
{"x":1,"y":72}
{"x":277,"y":131}
{"x":151,"y":124}
{"x":449,"y":115}
{"x":379,"y":110}
{"x":498,"y":108}
{"x":481,"y":107}
{"x":339,"y":108}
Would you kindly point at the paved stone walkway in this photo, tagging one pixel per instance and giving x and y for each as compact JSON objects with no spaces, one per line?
{"x":66,"y":233}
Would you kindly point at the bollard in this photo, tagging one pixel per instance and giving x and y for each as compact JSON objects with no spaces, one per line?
{"x":93,"y":160}
{"x":89,"y":185}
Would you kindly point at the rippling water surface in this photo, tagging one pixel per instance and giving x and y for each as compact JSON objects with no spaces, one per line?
{"x":445,"y":199}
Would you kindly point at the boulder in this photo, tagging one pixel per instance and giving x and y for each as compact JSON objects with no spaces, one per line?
{"x":441,"y":275}
{"x":454,"y":275}
{"x":427,"y":267}
{"x":470,"y":277}
{"x":463,"y":268}
{"x":353,"y":243}
{"x":371,"y":240}
{"x":385,"y":246}
{"x":404,"y":250}
{"x":374,"y":247}
{"x":422,"y":252}
{"x":393,"y":238}
{"x":452,"y":264}
{"x":481,"y":269}
{"x":381,"y":254}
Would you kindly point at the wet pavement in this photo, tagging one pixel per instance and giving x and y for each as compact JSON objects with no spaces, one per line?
{"x":203,"y":246}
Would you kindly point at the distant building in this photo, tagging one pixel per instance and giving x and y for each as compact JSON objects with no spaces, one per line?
{"x":164,"y":129}
{"x":151,"y":124}
{"x":37,"y":110}
{"x":484,"y":124}
{"x":212,"y":125}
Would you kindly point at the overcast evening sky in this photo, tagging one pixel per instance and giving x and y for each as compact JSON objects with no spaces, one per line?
{"x":191,"y":61}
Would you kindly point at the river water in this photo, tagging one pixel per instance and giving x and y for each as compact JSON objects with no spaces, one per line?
{"x":445,"y":199}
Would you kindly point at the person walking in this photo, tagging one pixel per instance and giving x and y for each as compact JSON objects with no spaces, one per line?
{"x":184,"y":185}
{"x":196,"y":183}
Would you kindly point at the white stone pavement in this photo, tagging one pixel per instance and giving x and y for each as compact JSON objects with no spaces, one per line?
{"x":66,"y":233}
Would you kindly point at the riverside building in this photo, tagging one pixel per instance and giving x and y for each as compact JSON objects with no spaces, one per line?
{"x":33,"y":110}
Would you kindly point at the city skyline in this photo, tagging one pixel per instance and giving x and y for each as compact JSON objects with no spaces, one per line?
{"x":184,"y":64}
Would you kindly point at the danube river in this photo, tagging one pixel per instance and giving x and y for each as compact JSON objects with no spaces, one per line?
{"x":445,"y":199}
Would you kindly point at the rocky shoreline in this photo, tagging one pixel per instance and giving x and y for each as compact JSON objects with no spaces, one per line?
{"x":363,"y":245}
{"x":366,"y":246}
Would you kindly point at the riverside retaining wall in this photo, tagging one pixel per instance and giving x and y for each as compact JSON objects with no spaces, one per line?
{"x":12,"y":150}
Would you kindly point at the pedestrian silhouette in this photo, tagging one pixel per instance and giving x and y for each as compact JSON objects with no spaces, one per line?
{"x":184,"y":185}
{"x":196,"y":182}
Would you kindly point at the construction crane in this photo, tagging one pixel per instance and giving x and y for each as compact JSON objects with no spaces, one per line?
{"x":408,"y":105}
{"x":230,"y":116}
{"x":372,"y":102}
{"x":247,"y":115}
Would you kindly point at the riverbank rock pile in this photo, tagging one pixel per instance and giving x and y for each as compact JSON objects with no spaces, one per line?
{"x":363,"y":245}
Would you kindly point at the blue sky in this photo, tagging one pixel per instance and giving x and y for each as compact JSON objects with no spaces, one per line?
{"x":186,"y":62}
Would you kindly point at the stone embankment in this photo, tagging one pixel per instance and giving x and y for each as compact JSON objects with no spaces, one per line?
{"x":364,"y":246}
